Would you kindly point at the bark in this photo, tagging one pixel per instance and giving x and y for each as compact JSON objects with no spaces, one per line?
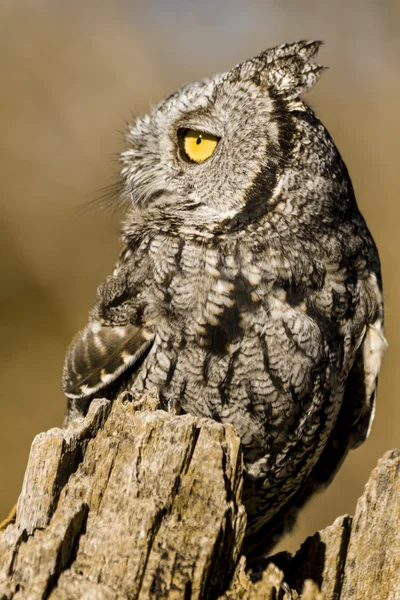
{"x":133,"y":502}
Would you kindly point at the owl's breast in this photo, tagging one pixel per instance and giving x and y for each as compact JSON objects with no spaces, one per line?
{"x":235,"y":346}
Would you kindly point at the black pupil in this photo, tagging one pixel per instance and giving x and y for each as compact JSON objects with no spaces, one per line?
{"x":198,"y":141}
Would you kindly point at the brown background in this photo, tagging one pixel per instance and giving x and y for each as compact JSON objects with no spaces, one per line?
{"x":72,"y":72}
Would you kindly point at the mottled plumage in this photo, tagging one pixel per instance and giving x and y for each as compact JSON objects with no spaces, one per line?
{"x":249,"y":289}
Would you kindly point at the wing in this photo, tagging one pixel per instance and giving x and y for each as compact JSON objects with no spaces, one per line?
{"x":100,"y":354}
{"x":362,"y":383}
{"x":114,"y":339}
{"x":358,"y":409}
{"x":351,"y":430}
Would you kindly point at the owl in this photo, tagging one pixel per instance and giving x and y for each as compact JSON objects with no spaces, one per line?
{"x":249,"y":288}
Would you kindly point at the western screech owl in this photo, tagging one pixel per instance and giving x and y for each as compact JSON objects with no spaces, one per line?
{"x":249,"y":288}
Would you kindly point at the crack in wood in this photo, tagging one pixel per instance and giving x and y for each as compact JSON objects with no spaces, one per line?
{"x":68,"y":548}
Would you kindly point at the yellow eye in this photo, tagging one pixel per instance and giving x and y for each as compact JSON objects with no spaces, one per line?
{"x":197,"y":146}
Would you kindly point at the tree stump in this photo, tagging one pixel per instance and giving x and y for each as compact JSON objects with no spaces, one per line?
{"x":132,"y":502}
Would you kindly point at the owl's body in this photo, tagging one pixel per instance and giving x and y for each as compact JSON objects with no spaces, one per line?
{"x":249,"y":288}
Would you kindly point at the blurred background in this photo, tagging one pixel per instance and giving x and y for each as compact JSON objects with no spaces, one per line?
{"x":72,"y":74}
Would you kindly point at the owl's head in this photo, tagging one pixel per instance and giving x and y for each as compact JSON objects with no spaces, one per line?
{"x":224,"y":150}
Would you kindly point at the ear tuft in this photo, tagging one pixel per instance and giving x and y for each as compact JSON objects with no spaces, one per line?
{"x":287,"y":69}
{"x":291,"y":76}
{"x":304,"y":50}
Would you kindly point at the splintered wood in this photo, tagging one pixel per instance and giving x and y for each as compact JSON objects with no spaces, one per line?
{"x":133,"y":502}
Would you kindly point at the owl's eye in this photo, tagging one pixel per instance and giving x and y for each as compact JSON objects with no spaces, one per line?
{"x":197,"y":146}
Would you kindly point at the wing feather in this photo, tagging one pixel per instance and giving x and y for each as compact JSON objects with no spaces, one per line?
{"x":100,"y":354}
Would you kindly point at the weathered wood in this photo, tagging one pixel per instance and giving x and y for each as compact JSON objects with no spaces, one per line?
{"x":133,"y":502}
{"x":373,"y":555}
{"x":356,"y":558}
{"x":148,"y":507}
{"x":268,"y":585}
{"x":321,"y":558}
